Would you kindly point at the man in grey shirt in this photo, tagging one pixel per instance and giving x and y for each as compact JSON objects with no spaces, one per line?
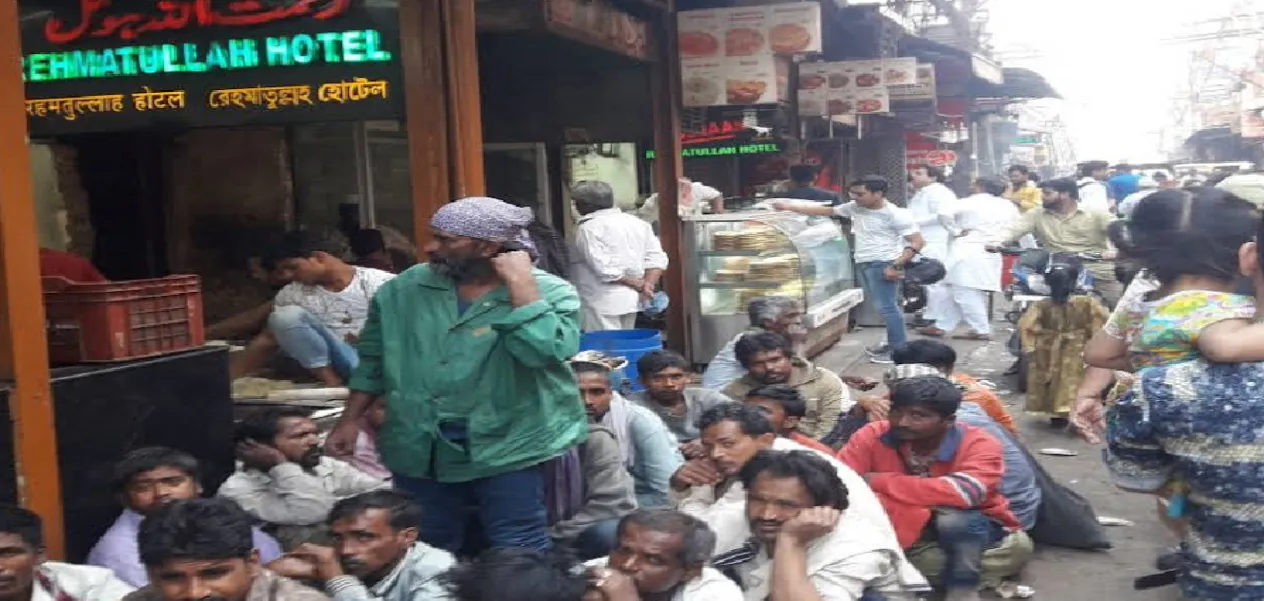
{"x":666,"y":376}
{"x":780,"y":314}
{"x":376,"y":555}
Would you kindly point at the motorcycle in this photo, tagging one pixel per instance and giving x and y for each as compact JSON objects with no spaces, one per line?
{"x":1028,"y":286}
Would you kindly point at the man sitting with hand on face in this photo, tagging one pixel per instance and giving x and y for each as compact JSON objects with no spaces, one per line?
{"x":661,"y":555}
{"x":376,"y":555}
{"x":732,"y":434}
{"x":285,"y":480}
{"x":802,"y":546}
{"x":146,"y":480}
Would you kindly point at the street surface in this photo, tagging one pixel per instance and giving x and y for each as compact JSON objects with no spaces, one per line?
{"x":1056,"y":574}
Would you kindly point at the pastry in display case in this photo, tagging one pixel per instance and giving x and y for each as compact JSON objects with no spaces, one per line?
{"x":737,"y":257}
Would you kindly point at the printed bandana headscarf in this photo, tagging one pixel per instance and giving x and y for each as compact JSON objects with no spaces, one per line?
{"x":486,"y":218}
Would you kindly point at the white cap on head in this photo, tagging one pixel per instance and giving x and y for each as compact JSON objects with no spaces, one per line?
{"x":1247,"y":186}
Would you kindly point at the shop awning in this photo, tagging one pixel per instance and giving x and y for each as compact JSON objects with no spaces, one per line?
{"x":1021,"y":84}
{"x":983,"y":78}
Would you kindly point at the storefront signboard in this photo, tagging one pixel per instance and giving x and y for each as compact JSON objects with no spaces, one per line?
{"x":852,"y":87}
{"x":923,"y":89}
{"x":601,"y":23}
{"x":740,"y":56}
{"x":726,"y":150}
{"x":102,"y":65}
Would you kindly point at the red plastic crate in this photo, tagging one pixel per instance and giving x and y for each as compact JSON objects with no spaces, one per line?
{"x":117,"y":321}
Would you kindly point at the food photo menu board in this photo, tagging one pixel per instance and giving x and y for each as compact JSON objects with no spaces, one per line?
{"x":852,"y":87}
{"x":737,"y":56}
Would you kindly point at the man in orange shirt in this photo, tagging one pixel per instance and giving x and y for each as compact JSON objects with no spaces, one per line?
{"x":61,"y":264}
{"x":942,"y":357}
{"x":785,"y":407}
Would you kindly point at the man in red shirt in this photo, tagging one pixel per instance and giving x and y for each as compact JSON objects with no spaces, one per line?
{"x":937,"y":479}
{"x":56,"y":263}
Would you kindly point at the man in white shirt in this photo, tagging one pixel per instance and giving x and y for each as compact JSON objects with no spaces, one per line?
{"x":712,"y":490}
{"x":662,"y":554}
{"x":620,"y":259}
{"x":283,"y":478}
{"x":887,"y":238}
{"x":975,"y":222}
{"x":26,"y":576}
{"x":316,"y":318}
{"x":932,"y":197}
{"x":802,"y":547}
{"x":1094,"y":194}
{"x":702,"y":199}
{"x":1146,"y":186}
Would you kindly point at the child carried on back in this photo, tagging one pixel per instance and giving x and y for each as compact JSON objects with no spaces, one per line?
{"x":1189,"y":243}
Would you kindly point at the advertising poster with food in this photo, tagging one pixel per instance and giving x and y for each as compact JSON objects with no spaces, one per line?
{"x":700,"y":32}
{"x":733,"y":56}
{"x":899,"y":71}
{"x":751,"y":80}
{"x":871,"y":101}
{"x":746,"y":32}
{"x":793,"y":28}
{"x":924,"y":89}
{"x":702,"y":81}
{"x":813,"y":89}
{"x":736,"y":81}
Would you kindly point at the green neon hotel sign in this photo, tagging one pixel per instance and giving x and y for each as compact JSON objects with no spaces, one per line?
{"x":729,"y":150}
{"x":331,"y":47}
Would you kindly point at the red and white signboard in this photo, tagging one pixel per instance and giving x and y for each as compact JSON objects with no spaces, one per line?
{"x":934,"y":158}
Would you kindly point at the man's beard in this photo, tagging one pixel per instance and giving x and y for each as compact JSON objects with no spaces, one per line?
{"x":462,"y":269}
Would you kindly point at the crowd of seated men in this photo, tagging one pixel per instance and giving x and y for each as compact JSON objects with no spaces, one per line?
{"x":684,"y":493}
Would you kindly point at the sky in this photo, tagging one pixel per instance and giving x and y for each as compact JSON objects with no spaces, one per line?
{"x":1109,"y":60}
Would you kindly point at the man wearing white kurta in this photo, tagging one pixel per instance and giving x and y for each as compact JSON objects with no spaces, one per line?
{"x":975,"y":222}
{"x":932,"y":196}
{"x":620,"y":260}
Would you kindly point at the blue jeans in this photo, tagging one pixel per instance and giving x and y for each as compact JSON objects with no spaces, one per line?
{"x":598,"y":540}
{"x":964,"y":536}
{"x":310,"y":342}
{"x":886,"y":297}
{"x":510,"y":509}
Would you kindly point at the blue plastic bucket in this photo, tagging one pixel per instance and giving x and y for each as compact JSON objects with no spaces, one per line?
{"x":629,"y":344}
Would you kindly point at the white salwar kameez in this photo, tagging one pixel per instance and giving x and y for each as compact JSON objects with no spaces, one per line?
{"x":926,"y":206}
{"x":973,"y":272}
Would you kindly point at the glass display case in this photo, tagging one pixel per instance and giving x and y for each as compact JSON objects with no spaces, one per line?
{"x":735,"y":257}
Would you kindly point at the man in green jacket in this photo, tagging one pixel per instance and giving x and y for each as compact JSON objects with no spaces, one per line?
{"x":470,"y":354}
